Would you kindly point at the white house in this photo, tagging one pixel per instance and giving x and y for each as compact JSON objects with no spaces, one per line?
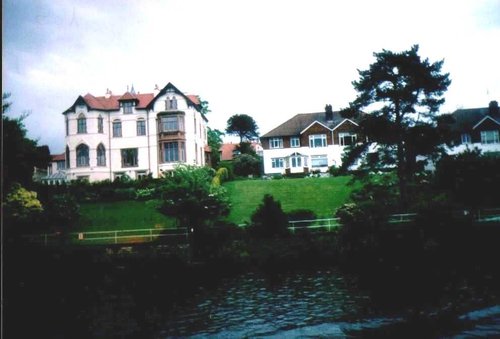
{"x":308,"y":142}
{"x":477,"y":128}
{"x":133,"y":134}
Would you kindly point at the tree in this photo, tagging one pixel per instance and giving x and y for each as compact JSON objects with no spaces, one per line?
{"x":20,"y":154}
{"x":269,"y":220}
{"x":246,"y":164}
{"x":21,"y":209}
{"x":204,"y":106}
{"x":243,"y":126}
{"x":404,"y":93}
{"x":215,"y":142}
{"x":189,"y":196}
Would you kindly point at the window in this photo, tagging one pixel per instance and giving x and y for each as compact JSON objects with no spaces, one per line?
{"x":346,"y":138}
{"x":171,"y":103}
{"x":117,"y":129}
{"x":317,"y":140}
{"x":489,"y":137}
{"x":465,"y":138}
{"x":67,"y":126}
{"x":82,"y":156}
{"x":127,"y":107}
{"x":100,"y":125}
{"x":67,"y":157}
{"x":101,"y":155}
{"x":173,"y":151}
{"x":81,"y":124}
{"x":172,"y":123}
{"x":129,"y":157}
{"x":60,"y":165}
{"x":276,"y":143}
{"x":296,"y":161}
{"x":141,"y":175}
{"x":294,"y":142}
{"x":319,"y":161}
{"x":141,"y":127}
{"x":277,"y":162}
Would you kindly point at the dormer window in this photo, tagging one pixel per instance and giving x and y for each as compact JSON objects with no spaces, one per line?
{"x":127,"y":107}
{"x":294,"y":142}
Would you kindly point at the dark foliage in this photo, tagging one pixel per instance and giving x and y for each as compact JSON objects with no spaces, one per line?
{"x":243,"y":126}
{"x":269,"y":220}
{"x":246,"y":164}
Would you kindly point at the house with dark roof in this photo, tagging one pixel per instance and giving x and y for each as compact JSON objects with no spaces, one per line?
{"x":476,"y":128}
{"x":133,"y":134}
{"x":308,"y":142}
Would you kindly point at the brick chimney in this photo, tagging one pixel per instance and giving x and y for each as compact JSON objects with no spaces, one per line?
{"x":493,"y":109}
{"x":108,"y":93}
{"x":328,"y":113}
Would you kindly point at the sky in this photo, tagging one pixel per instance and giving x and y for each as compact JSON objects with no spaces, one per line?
{"x":270,"y":59}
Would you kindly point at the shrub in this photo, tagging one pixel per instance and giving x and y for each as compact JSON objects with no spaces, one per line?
{"x":21,"y":208}
{"x":61,"y":212}
{"x":145,"y":193}
{"x":269,"y":220}
{"x":334,"y":171}
{"x":301,"y":214}
{"x":246,"y":164}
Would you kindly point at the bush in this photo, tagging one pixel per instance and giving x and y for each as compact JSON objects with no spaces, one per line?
{"x":228,"y":165}
{"x":301,"y":214}
{"x":334,"y":171}
{"x":269,"y":220}
{"x":21,"y":208}
{"x":62,"y":212}
{"x":246,"y":164}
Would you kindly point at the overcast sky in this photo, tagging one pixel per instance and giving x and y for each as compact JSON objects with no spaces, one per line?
{"x":270,"y":59}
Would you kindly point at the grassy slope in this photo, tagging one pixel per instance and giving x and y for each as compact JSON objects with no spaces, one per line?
{"x":121,"y":215}
{"x":321,"y":195}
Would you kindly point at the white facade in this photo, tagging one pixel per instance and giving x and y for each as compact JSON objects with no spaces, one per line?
{"x":298,"y":159}
{"x":133,"y":134}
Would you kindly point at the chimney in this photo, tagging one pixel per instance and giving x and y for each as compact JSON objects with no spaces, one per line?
{"x":108,"y":93}
{"x":328,"y":113}
{"x":156,"y":90}
{"x":493,"y":109}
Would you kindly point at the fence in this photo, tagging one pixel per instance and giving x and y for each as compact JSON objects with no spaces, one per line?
{"x":178,"y":235}
{"x":113,"y":237}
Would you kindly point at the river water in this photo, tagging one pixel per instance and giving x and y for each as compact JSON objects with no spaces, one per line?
{"x":309,"y":304}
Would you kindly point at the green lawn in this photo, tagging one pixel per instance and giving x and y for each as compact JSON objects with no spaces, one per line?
{"x":321,"y":195}
{"x":121,"y":215}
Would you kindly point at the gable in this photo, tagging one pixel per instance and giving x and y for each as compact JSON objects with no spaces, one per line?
{"x":487,"y":123}
{"x":315,"y":127}
{"x":346,"y":125}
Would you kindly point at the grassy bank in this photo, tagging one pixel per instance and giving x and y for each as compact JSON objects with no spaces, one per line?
{"x":320,"y":195}
{"x":121,"y":215}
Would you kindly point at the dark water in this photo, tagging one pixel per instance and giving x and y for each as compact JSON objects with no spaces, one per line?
{"x":78,"y":295}
{"x":309,"y":304}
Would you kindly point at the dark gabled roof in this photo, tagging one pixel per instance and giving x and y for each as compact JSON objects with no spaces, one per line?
{"x":298,"y":123}
{"x":466,"y":119}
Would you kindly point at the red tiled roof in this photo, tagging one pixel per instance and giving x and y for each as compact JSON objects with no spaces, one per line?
{"x":58,"y":157}
{"x":112,"y":103}
{"x":194,"y":98}
{"x":227,"y":151}
{"x":128,"y":96}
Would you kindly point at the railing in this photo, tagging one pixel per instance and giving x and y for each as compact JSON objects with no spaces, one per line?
{"x":149,"y":234}
{"x":327,"y":224}
{"x":115,"y":236}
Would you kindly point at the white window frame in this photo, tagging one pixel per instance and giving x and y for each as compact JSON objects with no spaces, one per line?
{"x":314,"y":137}
{"x":296,"y":161}
{"x":490,"y":137}
{"x":294,"y":142}
{"x":342,"y":135}
{"x":277,"y":163}
{"x":316,"y":158}
{"x":276,"y":143}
